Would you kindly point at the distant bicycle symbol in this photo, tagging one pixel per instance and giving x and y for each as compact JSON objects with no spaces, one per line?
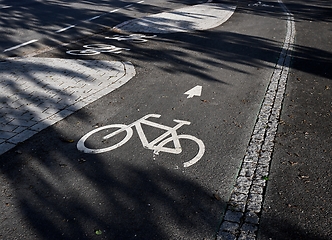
{"x":94,"y":49}
{"x":157,"y":145}
{"x":137,"y":38}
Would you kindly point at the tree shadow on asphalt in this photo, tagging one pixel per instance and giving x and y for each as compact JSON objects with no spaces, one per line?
{"x":281,"y":229}
{"x":56,"y":192}
{"x":46,"y":18}
{"x":62,"y":195}
{"x":310,"y":10}
{"x":198,"y":54}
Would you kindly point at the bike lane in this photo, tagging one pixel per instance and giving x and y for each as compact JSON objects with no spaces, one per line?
{"x":132,"y":192}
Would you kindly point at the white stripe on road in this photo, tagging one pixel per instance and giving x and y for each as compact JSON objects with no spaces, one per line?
{"x":4,"y":7}
{"x":66,"y":28}
{"x":21,"y":45}
{"x":115,"y":10}
{"x":93,"y":18}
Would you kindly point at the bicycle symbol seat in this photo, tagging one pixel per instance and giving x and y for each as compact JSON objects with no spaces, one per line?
{"x":157,"y":145}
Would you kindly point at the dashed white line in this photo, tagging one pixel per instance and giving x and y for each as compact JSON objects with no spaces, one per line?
{"x":21,"y":45}
{"x":93,"y":18}
{"x":66,"y":28}
{"x":115,"y":10}
{"x":4,"y":7}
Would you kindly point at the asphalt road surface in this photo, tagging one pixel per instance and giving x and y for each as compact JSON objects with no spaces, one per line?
{"x":204,"y":86}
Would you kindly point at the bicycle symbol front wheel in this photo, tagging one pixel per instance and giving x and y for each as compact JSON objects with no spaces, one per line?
{"x":199,"y":155}
{"x":81,"y":146}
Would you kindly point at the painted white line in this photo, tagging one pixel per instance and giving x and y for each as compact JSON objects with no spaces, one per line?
{"x":4,"y":7}
{"x":115,"y":10}
{"x":66,"y":28}
{"x":20,"y":45}
{"x":128,"y":6}
{"x":93,"y":18}
{"x":195,"y":91}
{"x":140,"y":2}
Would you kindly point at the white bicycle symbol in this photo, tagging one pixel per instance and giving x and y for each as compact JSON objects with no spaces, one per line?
{"x":136,"y":38}
{"x":157,"y":145}
{"x":94,"y":49}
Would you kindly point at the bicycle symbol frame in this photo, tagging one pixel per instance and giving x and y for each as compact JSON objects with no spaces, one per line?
{"x":157,"y":145}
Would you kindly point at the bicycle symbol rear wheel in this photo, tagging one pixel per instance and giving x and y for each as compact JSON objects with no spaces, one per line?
{"x":199,"y":155}
{"x":129,"y":133}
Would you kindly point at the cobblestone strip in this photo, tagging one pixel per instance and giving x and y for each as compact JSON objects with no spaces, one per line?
{"x":197,"y":17}
{"x":243,"y":212}
{"x":38,"y":92}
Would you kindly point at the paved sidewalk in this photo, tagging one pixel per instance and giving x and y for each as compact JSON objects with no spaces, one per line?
{"x":197,"y":17}
{"x":38,"y":92}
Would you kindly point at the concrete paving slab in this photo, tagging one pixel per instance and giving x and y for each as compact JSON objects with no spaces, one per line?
{"x":38,"y":92}
{"x":197,"y":17}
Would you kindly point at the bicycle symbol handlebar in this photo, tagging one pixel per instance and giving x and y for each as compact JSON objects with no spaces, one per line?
{"x":157,"y":145}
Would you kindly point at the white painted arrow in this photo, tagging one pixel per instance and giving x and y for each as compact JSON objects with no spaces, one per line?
{"x":195,"y":91}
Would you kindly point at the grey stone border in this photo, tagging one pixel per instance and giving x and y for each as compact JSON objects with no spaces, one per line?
{"x":243,"y":211}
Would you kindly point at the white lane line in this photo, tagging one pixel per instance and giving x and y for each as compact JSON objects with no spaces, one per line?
{"x":4,"y":7}
{"x":66,"y":28}
{"x":128,"y":6}
{"x":115,"y":10}
{"x":21,"y":45}
{"x":93,"y":18}
{"x":140,"y":2}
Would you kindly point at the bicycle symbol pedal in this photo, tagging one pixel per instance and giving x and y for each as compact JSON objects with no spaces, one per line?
{"x":157,"y":145}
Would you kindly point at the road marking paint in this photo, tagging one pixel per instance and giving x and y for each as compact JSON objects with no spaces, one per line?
{"x":259,"y":4}
{"x":66,"y":28}
{"x":115,"y":10}
{"x":93,"y":18}
{"x":195,"y":91}
{"x":128,"y":6}
{"x":94,"y":49}
{"x":4,"y":7}
{"x":137,"y":38}
{"x":157,"y":145}
{"x":21,"y":45}
{"x":140,"y":2}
